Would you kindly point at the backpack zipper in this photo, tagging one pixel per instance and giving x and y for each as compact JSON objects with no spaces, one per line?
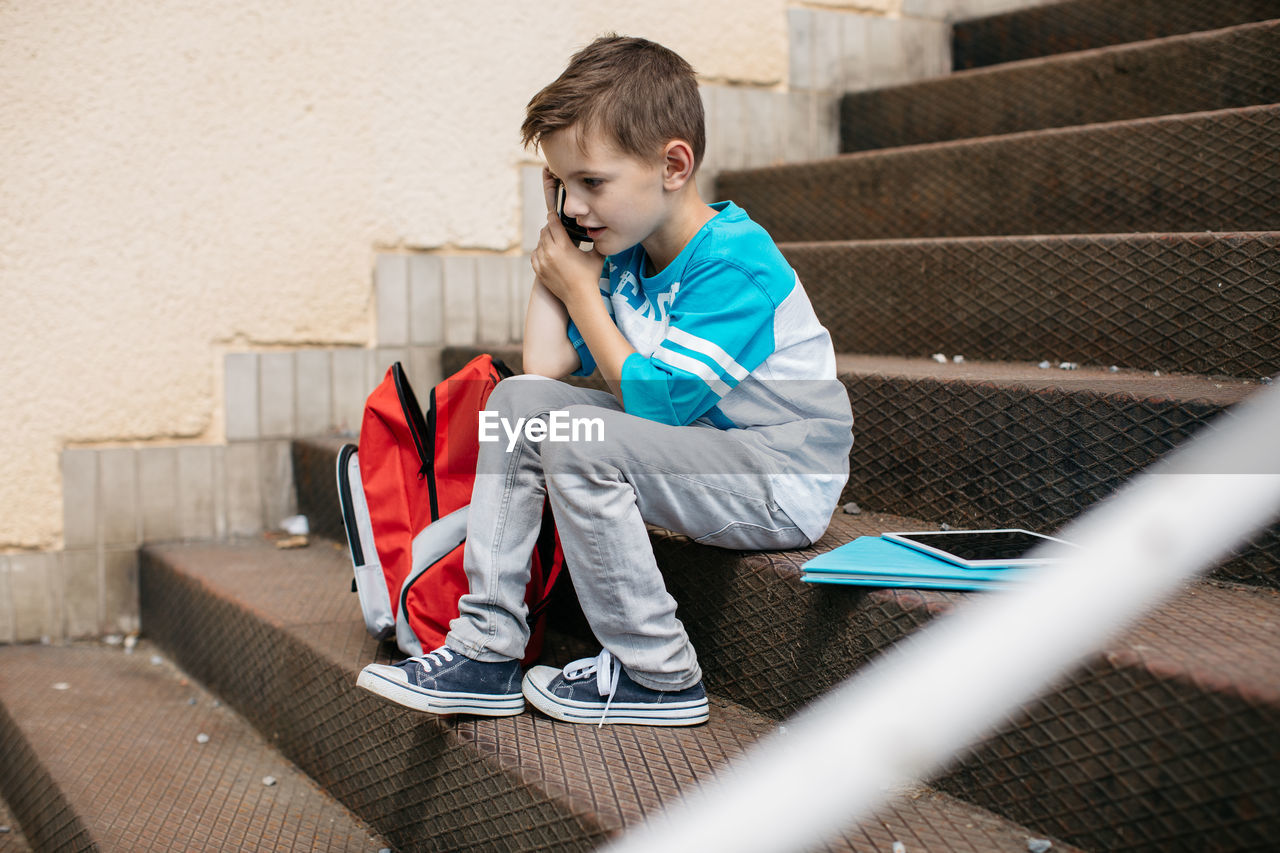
{"x":420,"y":431}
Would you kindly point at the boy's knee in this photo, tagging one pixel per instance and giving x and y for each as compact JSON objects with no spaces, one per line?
{"x":578,"y":439}
{"x":518,"y":395}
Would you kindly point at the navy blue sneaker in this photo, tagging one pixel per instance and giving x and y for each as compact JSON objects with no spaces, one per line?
{"x":597,"y":690}
{"x":445,"y":682}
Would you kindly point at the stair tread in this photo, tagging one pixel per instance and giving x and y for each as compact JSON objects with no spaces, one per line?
{"x":611,"y":777}
{"x":1199,"y":303}
{"x":1212,"y":170}
{"x":1222,"y":391}
{"x":1232,"y":67}
{"x":117,"y":734}
{"x":1055,"y":28}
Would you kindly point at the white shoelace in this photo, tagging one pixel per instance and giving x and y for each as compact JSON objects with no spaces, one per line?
{"x":439,"y":657}
{"x":606,"y":669}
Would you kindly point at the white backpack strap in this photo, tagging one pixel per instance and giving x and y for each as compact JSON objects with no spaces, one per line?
{"x":434,"y":542}
{"x":371,"y":584}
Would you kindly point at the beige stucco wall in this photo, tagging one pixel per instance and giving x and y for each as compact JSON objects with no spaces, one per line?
{"x":181,"y":179}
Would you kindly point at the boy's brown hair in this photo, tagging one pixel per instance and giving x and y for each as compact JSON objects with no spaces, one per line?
{"x":638,"y":92}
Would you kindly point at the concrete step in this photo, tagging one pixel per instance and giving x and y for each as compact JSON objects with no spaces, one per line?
{"x":995,"y":444}
{"x":984,"y":444}
{"x":276,"y":633}
{"x":1164,"y":741}
{"x":103,"y":751}
{"x":12,"y":839}
{"x":1192,"y":303}
{"x":1215,"y":171}
{"x":1234,"y":67}
{"x":1083,"y":24}
{"x":1168,"y":740}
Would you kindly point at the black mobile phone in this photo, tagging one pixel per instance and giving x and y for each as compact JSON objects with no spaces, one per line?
{"x":577,"y":233}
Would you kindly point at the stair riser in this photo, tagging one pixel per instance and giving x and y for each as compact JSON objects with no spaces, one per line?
{"x":48,"y":821}
{"x":1238,"y":67}
{"x":1209,"y":171}
{"x":1118,"y":759}
{"x":1062,"y":27}
{"x":977,"y":455}
{"x":1207,"y":304}
{"x":414,"y":779}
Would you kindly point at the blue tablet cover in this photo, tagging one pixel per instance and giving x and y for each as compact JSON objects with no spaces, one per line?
{"x":873,"y":561}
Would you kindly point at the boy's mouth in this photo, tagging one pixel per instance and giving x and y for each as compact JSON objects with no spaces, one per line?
{"x":593,"y":233}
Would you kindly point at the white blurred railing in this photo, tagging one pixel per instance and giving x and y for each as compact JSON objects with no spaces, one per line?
{"x":933,"y":695}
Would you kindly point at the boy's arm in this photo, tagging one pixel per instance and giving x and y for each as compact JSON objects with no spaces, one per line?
{"x":571,"y":276}
{"x":547,"y":349}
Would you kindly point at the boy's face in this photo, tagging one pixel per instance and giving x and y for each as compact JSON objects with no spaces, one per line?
{"x":617,"y":197}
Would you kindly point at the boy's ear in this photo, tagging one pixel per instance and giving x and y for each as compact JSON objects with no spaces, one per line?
{"x":677,"y":164}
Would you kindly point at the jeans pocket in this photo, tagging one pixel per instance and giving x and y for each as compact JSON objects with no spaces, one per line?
{"x":744,"y":536}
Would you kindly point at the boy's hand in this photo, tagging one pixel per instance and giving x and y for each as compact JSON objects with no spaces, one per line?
{"x":571,"y":274}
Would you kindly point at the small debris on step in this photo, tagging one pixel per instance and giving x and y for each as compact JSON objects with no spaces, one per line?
{"x":1068,"y":365}
{"x":899,"y":847}
{"x":1039,"y":845}
{"x":1113,"y":369}
{"x":1044,"y":365}
{"x":268,"y":780}
{"x":944,"y":526}
{"x":61,"y":685}
{"x":852,"y":508}
{"x":290,"y":542}
{"x":296,"y":525}
{"x":156,"y":660}
{"x":957,"y":359}
{"x":940,"y":358}
{"x":130,"y":643}
{"x":191,"y":701}
{"x":202,"y":738}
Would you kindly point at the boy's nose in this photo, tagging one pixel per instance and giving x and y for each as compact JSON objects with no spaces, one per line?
{"x":573,"y":207}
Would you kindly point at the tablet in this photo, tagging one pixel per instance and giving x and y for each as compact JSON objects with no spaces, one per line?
{"x":978,"y":549}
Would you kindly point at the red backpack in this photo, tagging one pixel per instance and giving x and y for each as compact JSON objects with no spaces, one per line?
{"x":405,"y":493}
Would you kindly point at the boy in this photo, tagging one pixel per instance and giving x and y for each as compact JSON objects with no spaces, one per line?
{"x":725,"y":421}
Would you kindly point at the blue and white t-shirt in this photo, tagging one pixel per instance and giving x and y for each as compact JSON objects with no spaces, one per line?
{"x":725,"y":337}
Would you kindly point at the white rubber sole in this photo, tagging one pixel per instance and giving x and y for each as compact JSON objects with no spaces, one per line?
{"x":535,"y":683}
{"x":388,"y":682}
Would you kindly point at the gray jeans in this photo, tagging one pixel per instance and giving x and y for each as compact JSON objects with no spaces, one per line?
{"x":603,"y":487}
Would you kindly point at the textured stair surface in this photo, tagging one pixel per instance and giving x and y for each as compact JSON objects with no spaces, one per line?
{"x":1083,"y":24}
{"x":12,"y":840}
{"x":1170,"y":737}
{"x":1216,"y":171}
{"x":1191,"y":303}
{"x":1192,"y":691}
{"x":990,"y":444}
{"x":276,"y":634}
{"x":1234,"y":67}
{"x":106,"y":757}
{"x":1005,"y":444}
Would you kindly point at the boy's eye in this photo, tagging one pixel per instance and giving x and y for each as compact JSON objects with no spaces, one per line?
{"x":591,"y":183}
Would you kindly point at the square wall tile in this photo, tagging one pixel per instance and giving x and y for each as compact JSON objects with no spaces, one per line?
{"x":118,"y":516}
{"x":533,"y":206}
{"x":6,"y":603}
{"x":493,"y":292}
{"x":158,"y":493}
{"x":800,"y":48}
{"x":313,"y":385}
{"x":460,"y":308}
{"x":121,"y":613}
{"x":278,"y":498}
{"x":350,"y":388}
{"x":82,"y":592}
{"x":244,"y":489}
{"x":197,"y":490}
{"x":521,"y":287}
{"x":426,"y":300}
{"x":275,"y":395}
{"x":241,"y":390}
{"x":424,"y":371}
{"x":36,"y":610}
{"x":391,"y":294}
{"x":80,"y":498}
